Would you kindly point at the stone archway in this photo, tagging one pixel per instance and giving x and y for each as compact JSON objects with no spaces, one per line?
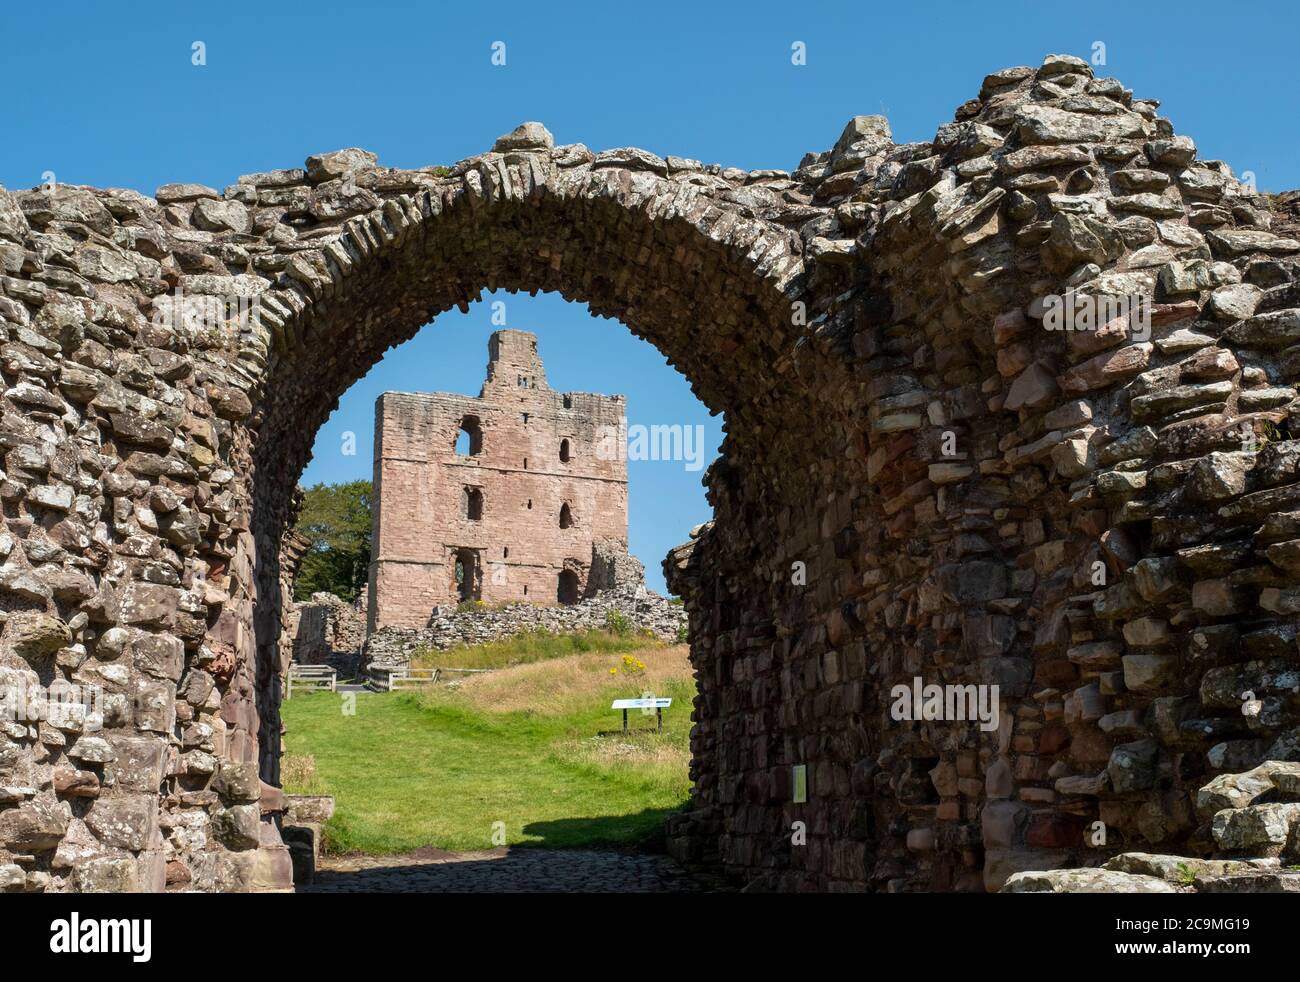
{"x":921,"y":479}
{"x":655,"y":243}
{"x":659,"y":244}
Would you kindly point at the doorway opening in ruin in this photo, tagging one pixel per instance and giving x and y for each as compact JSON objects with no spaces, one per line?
{"x":469,"y":580}
{"x":567,"y":591}
{"x":492,"y":548}
{"x":539,"y":486}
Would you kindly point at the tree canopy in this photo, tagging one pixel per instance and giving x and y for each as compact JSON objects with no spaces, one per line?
{"x":336,"y":518}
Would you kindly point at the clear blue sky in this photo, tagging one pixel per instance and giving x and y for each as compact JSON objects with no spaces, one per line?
{"x":106,"y":94}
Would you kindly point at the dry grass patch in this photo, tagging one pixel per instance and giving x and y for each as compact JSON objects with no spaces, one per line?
{"x":656,"y":761}
{"x":559,"y":686}
{"x":298,"y":774}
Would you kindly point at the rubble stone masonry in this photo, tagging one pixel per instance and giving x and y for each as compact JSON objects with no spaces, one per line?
{"x":516,"y":515}
{"x":918,"y":479}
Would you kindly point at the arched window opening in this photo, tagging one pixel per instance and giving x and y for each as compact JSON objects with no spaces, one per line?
{"x":564,"y":451}
{"x":469,"y":438}
{"x":566,"y":516}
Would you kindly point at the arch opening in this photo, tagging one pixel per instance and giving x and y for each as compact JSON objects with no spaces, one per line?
{"x":707,"y":303}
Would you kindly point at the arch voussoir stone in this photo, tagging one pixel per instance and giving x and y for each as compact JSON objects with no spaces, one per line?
{"x":921,"y":479}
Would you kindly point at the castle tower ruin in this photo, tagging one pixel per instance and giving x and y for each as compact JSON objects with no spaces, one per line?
{"x":503,"y":497}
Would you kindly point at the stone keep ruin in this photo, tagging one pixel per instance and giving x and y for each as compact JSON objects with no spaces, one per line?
{"x":516,"y":513}
{"x":918,"y":478}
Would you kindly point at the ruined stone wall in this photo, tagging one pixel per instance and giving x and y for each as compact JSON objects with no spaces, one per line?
{"x":532,"y":453}
{"x":613,"y":567}
{"x":325,"y":630}
{"x":643,"y":609}
{"x":128,"y":558}
{"x":919,"y":480}
{"x":1096,"y":521}
{"x":1251,"y":826}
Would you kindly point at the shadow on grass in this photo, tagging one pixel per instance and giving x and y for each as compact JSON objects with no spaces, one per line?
{"x":605,"y":854}
{"x":643,"y":831}
{"x":512,"y":870}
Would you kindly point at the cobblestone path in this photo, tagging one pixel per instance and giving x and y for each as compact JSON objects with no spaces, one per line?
{"x":506,"y":871}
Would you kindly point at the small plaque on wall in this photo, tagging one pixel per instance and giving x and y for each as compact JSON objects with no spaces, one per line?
{"x":799,"y":783}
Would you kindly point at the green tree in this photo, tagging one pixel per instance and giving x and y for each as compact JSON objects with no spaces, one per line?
{"x":336,"y":518}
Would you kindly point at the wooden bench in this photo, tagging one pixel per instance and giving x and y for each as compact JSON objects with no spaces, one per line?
{"x":389,"y":678}
{"x":312,"y":678}
{"x":657,"y":704}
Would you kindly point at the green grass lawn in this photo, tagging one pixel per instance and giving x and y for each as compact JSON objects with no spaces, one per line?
{"x":534,"y":746}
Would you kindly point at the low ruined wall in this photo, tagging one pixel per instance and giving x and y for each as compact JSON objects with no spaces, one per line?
{"x":1250,"y":821}
{"x":450,"y":628}
{"x":324,"y":629}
